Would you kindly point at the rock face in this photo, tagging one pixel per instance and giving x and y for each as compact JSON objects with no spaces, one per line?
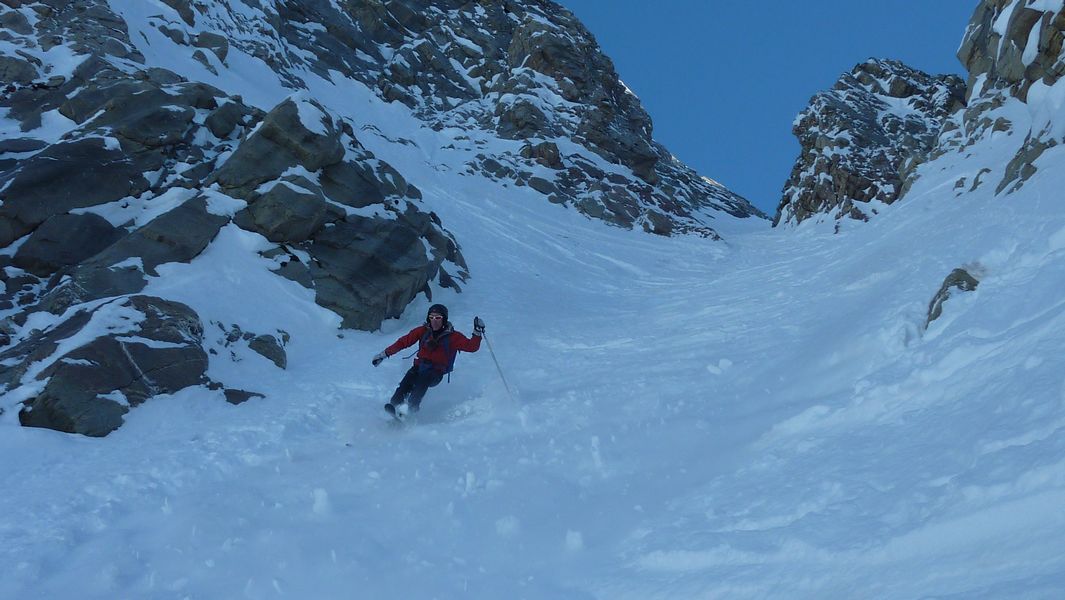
{"x":862,"y":141}
{"x":522,"y":70}
{"x":1011,"y":45}
{"x":118,"y":169}
{"x":861,"y":138}
{"x":154,"y":347}
{"x":148,"y":169}
{"x":959,"y":280}
{"x":1013,"y":51}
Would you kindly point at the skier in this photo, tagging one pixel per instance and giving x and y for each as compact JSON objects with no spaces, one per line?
{"x":438,"y":344}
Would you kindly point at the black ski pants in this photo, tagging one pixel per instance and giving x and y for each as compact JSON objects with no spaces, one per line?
{"x":414,"y":385}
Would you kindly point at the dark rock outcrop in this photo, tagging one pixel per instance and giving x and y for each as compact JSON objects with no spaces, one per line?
{"x":270,"y":348}
{"x":1009,"y":49}
{"x":523,"y":70}
{"x":63,"y":241}
{"x":120,"y":167}
{"x":62,"y":177}
{"x":959,"y":280}
{"x":90,"y":387}
{"x":861,"y":138}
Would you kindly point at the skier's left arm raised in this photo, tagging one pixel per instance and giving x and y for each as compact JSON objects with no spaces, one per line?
{"x":471,"y":344}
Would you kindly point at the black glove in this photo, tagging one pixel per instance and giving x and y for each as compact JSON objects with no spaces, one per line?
{"x":478,"y":326}
{"x":378,"y":358}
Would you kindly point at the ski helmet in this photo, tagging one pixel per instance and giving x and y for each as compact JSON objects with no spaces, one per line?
{"x":439,"y":309}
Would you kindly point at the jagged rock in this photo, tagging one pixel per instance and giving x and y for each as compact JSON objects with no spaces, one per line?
{"x":269,"y":347}
{"x":497,"y":66}
{"x":285,"y":213}
{"x":1010,"y":46}
{"x":520,"y":120}
{"x":20,"y":145}
{"x":224,"y":119}
{"x":855,"y":146}
{"x":64,"y":241}
{"x":1020,"y":167}
{"x":91,"y":387}
{"x":201,"y":57}
{"x":62,"y":177}
{"x":16,"y":22}
{"x":281,"y":141}
{"x":368,"y":269}
{"x":16,"y":71}
{"x":960,"y":280}
{"x":178,"y":235}
{"x":1003,"y":56}
{"x":234,"y":396}
{"x":545,"y":153}
{"x":213,"y":42}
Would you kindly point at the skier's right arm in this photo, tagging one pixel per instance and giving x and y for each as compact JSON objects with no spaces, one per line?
{"x":406,"y":341}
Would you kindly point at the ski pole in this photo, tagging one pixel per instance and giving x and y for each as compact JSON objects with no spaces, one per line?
{"x":498,"y":368}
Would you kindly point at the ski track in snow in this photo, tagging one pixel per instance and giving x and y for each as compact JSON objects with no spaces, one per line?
{"x":764,"y":417}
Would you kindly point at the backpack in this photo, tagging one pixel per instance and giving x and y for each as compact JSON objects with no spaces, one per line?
{"x":446,"y":341}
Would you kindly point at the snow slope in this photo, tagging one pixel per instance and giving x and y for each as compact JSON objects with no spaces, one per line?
{"x":765,"y":418}
{"x":759,"y":418}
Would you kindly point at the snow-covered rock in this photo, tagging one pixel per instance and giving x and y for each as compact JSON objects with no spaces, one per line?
{"x":1014,"y":55}
{"x":859,"y":139}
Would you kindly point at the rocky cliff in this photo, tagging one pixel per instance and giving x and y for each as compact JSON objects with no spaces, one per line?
{"x":125,"y":149}
{"x":860,"y":138}
{"x":1013,"y":51}
{"x":863,"y":141}
{"x":524,"y":71}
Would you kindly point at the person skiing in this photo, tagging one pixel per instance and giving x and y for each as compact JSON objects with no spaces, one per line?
{"x":438,"y":345}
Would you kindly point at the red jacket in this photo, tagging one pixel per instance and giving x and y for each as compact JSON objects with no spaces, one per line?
{"x":436,"y":352}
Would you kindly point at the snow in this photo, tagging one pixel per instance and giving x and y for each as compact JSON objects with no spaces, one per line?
{"x":765,"y":418}
{"x":140,"y":210}
{"x":762,"y":418}
{"x":310,"y":115}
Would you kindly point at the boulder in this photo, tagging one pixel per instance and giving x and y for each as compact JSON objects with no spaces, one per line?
{"x":178,"y":235}
{"x":959,"y":280}
{"x":367,"y":269}
{"x":90,"y":387}
{"x":184,"y":10}
{"x":63,"y":241}
{"x":213,"y":42}
{"x":16,"y":71}
{"x":20,"y":145}
{"x":16,"y":21}
{"x":224,"y":119}
{"x":353,"y":184}
{"x":62,"y":177}
{"x":285,"y":213}
{"x":235,"y":396}
{"x":545,"y":153}
{"x":281,"y":141}
{"x":269,"y":347}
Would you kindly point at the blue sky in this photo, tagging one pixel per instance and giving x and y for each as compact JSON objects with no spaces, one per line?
{"x":723,"y":80}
